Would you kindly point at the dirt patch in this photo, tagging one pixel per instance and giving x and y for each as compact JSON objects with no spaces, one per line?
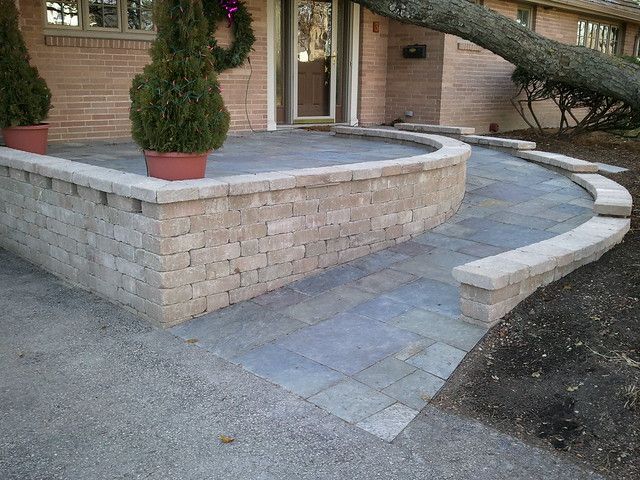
{"x":562,"y":370}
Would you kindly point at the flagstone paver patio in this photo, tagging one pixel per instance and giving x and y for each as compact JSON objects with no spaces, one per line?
{"x":374,"y":340}
{"x":281,"y":150}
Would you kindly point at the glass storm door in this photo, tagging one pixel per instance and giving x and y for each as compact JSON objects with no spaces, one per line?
{"x":315,"y":63}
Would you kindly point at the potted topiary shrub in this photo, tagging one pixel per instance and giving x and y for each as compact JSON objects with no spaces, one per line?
{"x":177,"y":113}
{"x":25,"y":99}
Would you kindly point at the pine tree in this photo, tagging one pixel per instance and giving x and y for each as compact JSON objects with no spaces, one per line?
{"x":24,"y":97}
{"x":176,"y":101}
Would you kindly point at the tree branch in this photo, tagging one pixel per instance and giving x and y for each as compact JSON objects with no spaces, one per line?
{"x":577,"y":66}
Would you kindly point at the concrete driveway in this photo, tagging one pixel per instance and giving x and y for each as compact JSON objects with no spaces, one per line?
{"x":88,"y":391}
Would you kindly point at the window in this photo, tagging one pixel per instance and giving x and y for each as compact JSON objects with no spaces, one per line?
{"x":636,"y":47}
{"x":63,"y":13}
{"x":126,"y":16}
{"x":139,"y":14}
{"x":524,"y":17}
{"x":599,"y":36}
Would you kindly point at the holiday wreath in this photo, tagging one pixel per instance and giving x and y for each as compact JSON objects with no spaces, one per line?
{"x":239,"y":20}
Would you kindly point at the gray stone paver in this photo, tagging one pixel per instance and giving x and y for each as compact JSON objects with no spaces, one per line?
{"x":430,"y":295}
{"x":442,"y":328}
{"x":383,"y":280}
{"x":281,"y":298}
{"x":372,"y":341}
{"x":334,"y":277}
{"x":378,"y":261}
{"x":348,"y":342}
{"x":290,"y":370}
{"x":381,"y":308}
{"x":327,"y":304}
{"x":388,"y":423}
{"x":278,"y":151}
{"x":237,"y":329}
{"x":438,"y":359}
{"x":382,"y":374}
{"x":416,"y":389}
{"x":352,"y":401}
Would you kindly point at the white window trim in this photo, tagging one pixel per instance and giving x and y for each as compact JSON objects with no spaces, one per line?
{"x":123,"y":31}
{"x":532,"y":18}
{"x":607,"y":23}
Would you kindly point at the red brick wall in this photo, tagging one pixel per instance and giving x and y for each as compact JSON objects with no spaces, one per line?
{"x":476,"y":86}
{"x":414,"y":84}
{"x":630,"y":35}
{"x":90,"y":78}
{"x":373,"y":68}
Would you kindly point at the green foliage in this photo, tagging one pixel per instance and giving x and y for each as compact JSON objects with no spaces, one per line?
{"x":243,"y":36}
{"x":176,"y":105}
{"x":631,"y":59}
{"x":580,"y":109}
{"x":24,"y":97}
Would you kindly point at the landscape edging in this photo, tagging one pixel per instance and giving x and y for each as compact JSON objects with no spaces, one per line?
{"x":493,"y":286}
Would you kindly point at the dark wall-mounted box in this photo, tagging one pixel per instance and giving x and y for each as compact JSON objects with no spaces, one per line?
{"x":414,"y":51}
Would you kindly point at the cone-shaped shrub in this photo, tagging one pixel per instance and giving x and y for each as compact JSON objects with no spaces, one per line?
{"x":176,"y":104}
{"x":24,"y":97}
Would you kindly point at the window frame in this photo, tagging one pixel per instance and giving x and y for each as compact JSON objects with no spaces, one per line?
{"x":593,"y":30}
{"x":83,"y":29}
{"x":531,"y":9}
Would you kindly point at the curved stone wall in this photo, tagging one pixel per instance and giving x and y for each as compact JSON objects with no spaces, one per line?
{"x":173,"y":250}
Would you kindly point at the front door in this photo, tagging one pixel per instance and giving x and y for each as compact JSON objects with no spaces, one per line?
{"x":315,"y":59}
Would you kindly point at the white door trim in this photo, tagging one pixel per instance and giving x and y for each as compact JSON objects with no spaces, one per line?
{"x":271,"y":67}
{"x":354,"y":63}
{"x":334,"y":63}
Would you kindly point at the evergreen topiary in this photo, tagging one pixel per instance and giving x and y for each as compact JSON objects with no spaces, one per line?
{"x":176,"y":105}
{"x":24,"y":97}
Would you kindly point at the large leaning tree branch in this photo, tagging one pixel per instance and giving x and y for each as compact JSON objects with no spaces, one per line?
{"x":574,"y":65}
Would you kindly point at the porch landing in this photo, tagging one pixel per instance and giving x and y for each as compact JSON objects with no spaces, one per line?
{"x":282,"y":150}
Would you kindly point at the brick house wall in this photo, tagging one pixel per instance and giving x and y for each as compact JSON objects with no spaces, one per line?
{"x":414,"y":84}
{"x":90,"y":78}
{"x":476,"y":86}
{"x":458,"y":83}
{"x":631,"y":34}
{"x":373,"y":68}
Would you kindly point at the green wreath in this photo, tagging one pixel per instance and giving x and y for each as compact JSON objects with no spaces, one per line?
{"x":244,"y":38}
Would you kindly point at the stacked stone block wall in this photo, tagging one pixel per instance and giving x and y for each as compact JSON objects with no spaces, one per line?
{"x":170,"y":251}
{"x":492,"y":286}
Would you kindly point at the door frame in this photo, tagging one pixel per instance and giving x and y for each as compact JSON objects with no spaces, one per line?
{"x":351,"y":73}
{"x":293,"y":59}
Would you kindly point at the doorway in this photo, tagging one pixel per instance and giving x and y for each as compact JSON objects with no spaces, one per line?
{"x":314,"y":48}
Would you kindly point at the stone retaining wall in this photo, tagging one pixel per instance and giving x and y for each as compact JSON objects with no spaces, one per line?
{"x":170,"y":251}
{"x":493,"y":286}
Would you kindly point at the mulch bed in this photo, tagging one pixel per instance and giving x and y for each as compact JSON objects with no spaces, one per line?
{"x":562,"y":370}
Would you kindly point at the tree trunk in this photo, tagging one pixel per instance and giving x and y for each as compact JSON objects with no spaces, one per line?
{"x":577,"y":66}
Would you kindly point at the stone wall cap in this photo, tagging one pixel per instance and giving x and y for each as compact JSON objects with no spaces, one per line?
{"x":448,"y":152}
{"x":427,"y":128}
{"x":499,"y":142}
{"x":558,"y":160}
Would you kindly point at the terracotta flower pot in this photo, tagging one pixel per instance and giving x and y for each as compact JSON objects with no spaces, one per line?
{"x":30,"y":139}
{"x":175,"y":165}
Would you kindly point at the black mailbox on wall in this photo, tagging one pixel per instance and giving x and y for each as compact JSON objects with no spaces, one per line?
{"x":414,"y":51}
